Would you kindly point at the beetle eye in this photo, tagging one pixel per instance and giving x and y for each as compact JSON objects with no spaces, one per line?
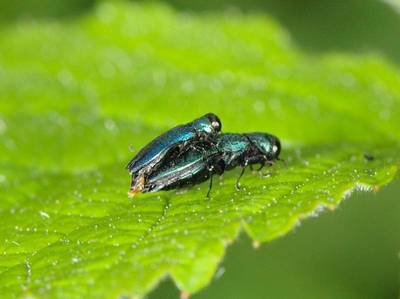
{"x":276,"y":148}
{"x":216,"y":125}
{"x":215,"y":122}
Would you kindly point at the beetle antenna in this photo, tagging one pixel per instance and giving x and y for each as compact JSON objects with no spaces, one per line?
{"x":282,"y":160}
{"x":131,"y":148}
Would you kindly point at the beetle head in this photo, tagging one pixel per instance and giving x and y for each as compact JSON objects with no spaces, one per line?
{"x":214,"y":121}
{"x":267,"y":145}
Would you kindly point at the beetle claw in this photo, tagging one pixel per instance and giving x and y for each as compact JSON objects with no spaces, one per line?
{"x":237,"y":186}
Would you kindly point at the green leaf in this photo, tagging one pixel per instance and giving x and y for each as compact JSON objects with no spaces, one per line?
{"x":76,"y":94}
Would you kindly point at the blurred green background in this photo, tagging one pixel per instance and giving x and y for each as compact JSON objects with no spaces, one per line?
{"x":352,"y":253}
{"x":316,"y":26}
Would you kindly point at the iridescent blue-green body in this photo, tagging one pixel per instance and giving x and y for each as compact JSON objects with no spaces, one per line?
{"x":174,"y":139}
{"x":202,"y":160}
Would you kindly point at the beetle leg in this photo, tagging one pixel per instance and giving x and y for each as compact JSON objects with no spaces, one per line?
{"x":266,"y":174}
{"x":216,"y":168}
{"x":211,"y":140}
{"x":261,"y":166}
{"x":210,"y":186}
{"x":237,"y":185}
{"x":270,"y":163}
{"x":200,"y":149}
{"x":183,"y":148}
{"x":207,"y":142}
{"x":186,"y":146}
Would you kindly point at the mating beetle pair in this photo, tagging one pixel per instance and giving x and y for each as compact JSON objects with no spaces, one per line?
{"x":192,"y":153}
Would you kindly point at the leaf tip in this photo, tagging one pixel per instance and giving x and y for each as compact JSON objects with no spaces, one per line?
{"x":256,"y":244}
{"x":227,"y":242}
{"x":185,"y":295}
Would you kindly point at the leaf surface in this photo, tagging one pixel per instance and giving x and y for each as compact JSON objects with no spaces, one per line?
{"x":76,"y":94}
